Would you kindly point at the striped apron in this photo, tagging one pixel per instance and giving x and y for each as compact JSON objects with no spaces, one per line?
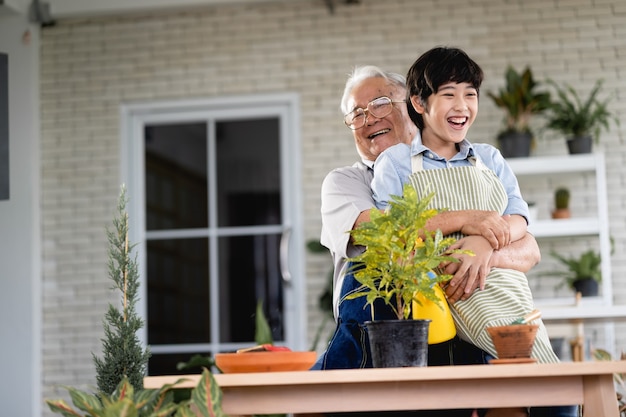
{"x":507,"y":295}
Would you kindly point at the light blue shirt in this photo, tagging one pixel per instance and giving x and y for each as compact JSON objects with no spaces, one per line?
{"x":393,"y":167}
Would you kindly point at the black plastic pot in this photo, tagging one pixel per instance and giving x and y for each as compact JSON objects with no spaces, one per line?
{"x":587,"y":287}
{"x":515,"y":144}
{"x":398,"y":343}
{"x":579,"y":144}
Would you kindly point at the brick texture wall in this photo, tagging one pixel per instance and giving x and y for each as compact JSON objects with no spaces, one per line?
{"x":90,"y":66}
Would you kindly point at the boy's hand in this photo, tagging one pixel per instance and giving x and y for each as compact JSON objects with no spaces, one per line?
{"x":470,"y":273}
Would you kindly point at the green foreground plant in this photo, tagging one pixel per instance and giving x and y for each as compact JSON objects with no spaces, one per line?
{"x":125,"y":401}
{"x":120,"y":373}
{"x":401,"y":254}
{"x":123,"y":355}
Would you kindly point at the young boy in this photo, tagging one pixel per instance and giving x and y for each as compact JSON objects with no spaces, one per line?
{"x":443,"y":86}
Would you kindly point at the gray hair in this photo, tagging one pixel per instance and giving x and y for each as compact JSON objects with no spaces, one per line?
{"x":361,"y":73}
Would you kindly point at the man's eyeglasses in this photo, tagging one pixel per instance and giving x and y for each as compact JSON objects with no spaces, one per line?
{"x":379,"y":108}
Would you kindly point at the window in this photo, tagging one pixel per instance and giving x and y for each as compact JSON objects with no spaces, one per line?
{"x":213,"y":189}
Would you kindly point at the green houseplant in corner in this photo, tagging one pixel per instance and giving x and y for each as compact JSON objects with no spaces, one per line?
{"x":520,"y":100}
{"x":583,"y":273}
{"x":398,"y":267}
{"x":581,"y":122}
{"x":121,"y":370}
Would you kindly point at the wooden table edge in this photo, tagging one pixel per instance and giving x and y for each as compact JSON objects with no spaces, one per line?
{"x":469,"y":372}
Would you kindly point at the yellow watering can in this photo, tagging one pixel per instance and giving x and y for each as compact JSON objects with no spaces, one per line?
{"x":441,"y":326}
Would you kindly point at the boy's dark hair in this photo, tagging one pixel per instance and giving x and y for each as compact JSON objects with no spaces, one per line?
{"x":435,"y":68}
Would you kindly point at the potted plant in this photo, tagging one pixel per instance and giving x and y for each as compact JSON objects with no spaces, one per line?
{"x":580,"y":121}
{"x":561,"y":204}
{"x":205,"y":400}
{"x":398,"y":267}
{"x":583,"y":274}
{"x":520,"y":100}
{"x":120,"y":372}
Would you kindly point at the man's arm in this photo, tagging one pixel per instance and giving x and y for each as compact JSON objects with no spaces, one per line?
{"x":346,"y":197}
{"x":520,"y":255}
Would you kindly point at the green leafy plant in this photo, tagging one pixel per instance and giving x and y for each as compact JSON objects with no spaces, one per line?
{"x":520,"y":100}
{"x":120,"y":373}
{"x":573,"y":116}
{"x":401,"y":254}
{"x":262,"y":330}
{"x":205,"y":401}
{"x":123,"y":355}
{"x":587,"y":265}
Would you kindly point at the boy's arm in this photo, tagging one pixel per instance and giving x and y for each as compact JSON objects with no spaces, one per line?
{"x":488,"y":224}
{"x":520,"y":255}
{"x":391,"y":170}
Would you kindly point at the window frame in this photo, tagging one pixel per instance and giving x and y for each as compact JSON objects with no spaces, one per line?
{"x":286,"y":107}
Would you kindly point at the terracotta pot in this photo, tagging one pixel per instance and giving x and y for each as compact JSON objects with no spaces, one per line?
{"x":514,"y":341}
{"x":561,"y":214}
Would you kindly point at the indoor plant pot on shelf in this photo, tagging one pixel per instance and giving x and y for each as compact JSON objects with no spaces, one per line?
{"x":561,"y":204}
{"x":581,"y":122}
{"x":398,"y":267}
{"x":520,"y":100}
{"x":583,"y":274}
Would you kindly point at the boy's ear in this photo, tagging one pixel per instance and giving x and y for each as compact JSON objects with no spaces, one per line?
{"x":417,"y":105}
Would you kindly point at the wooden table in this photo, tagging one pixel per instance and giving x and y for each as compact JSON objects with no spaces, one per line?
{"x":475,"y":386}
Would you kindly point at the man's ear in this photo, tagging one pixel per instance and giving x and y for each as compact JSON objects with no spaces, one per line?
{"x":417,"y":105}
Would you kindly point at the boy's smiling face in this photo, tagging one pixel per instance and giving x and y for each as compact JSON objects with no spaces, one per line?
{"x":448,"y":115}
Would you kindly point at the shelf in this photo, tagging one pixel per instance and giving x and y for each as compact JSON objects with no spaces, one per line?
{"x":574,"y":314}
{"x":564,"y":309}
{"x":565,"y":227}
{"x":555,"y":164}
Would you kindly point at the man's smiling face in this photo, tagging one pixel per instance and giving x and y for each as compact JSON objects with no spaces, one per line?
{"x":380,"y":133}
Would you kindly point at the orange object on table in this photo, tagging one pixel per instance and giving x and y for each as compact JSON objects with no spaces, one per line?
{"x":265,"y":361}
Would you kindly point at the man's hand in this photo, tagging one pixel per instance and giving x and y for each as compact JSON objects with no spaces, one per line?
{"x":470,"y":273}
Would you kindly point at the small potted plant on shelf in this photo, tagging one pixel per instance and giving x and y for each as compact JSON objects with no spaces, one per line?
{"x":398,"y":267}
{"x":583,"y":274}
{"x":561,"y":204}
{"x":520,"y":100}
{"x":581,"y":122}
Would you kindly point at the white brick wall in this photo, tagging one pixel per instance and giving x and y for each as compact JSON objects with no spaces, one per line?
{"x":90,"y":66}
